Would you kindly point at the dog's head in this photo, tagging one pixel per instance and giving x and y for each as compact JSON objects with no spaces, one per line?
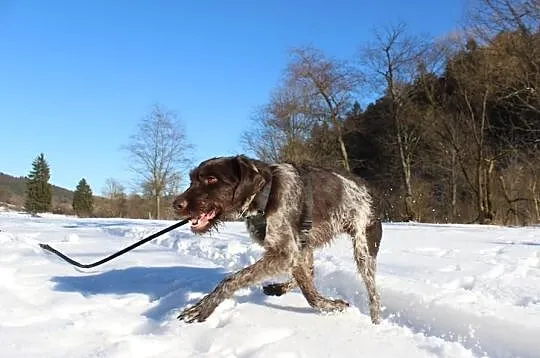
{"x":219,"y":190}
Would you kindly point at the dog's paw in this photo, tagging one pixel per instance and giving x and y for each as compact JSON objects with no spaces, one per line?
{"x":199,"y":312}
{"x":274,"y":289}
{"x":333,"y":305}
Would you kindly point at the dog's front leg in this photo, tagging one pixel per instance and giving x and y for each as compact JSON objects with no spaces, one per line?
{"x":271,"y":264}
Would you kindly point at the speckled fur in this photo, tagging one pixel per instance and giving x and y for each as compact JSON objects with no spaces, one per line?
{"x":340,"y":205}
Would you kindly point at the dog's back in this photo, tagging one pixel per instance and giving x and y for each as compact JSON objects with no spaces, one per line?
{"x":341,"y":203}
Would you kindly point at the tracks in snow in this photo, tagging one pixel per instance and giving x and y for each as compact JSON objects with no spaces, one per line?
{"x":429,"y":313}
{"x":483,"y":334}
{"x":445,"y":311}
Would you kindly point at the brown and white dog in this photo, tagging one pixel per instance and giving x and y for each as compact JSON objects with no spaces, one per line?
{"x":229,"y":188}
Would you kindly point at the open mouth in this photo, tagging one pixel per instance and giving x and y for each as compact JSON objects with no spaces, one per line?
{"x":203,"y":221}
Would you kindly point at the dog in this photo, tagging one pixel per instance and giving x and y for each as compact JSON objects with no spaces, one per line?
{"x":290,"y":210}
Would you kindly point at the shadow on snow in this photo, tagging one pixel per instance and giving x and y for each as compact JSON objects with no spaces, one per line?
{"x":169,"y":286}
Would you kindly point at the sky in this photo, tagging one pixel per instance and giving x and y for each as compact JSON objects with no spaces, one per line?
{"x":77,"y":76}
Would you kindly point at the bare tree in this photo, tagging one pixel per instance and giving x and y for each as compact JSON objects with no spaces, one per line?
{"x":487,"y":18}
{"x":330,"y":84}
{"x":392,"y":62}
{"x":314,"y":97}
{"x":281,"y":129}
{"x":159,"y":153}
{"x":443,"y":133}
{"x":261,"y":140}
{"x":512,"y":29}
{"x":112,"y":188}
{"x":114,"y":191}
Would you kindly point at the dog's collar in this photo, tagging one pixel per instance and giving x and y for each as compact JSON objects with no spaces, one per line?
{"x":260,"y":198}
{"x":257,"y":218}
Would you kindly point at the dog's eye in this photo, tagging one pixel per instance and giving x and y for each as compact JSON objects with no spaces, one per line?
{"x":211,"y":180}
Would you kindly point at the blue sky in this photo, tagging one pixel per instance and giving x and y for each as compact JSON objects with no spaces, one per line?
{"x":77,"y":76}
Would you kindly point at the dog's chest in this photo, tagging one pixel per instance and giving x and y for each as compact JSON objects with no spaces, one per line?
{"x":256,"y":226}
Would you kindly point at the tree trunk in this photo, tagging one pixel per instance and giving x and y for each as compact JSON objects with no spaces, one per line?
{"x":536,"y":204}
{"x":158,"y":205}
{"x":488,"y":196}
{"x":483,"y":172}
{"x":453,"y":185}
{"x":406,"y":172}
{"x":334,"y":117}
{"x":484,"y":202}
{"x":343,"y":148}
{"x":480,"y":197}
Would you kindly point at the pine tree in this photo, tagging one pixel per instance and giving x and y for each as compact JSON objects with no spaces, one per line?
{"x":83,"y":203}
{"x":38,"y":189}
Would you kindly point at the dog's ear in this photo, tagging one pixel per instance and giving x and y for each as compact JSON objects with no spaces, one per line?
{"x":250,"y":179}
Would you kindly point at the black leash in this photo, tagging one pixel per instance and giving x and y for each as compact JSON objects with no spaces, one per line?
{"x":121,"y":252}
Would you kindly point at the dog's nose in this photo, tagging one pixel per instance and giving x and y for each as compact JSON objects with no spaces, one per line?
{"x":180,"y":204}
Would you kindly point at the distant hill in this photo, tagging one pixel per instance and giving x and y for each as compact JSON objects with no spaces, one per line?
{"x":12,"y":190}
{"x":12,"y":195}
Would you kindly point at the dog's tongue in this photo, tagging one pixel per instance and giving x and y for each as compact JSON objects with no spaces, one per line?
{"x":203,"y":220}
{"x":210,"y":215}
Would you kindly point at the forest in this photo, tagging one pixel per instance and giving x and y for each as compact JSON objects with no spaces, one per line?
{"x":452,"y":132}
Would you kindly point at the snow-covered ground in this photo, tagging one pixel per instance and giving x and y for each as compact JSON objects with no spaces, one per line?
{"x":447,"y":291}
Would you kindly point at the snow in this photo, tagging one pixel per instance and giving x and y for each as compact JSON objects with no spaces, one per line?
{"x":447,"y":291}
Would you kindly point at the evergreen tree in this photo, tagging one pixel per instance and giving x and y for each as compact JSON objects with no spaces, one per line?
{"x":38,"y":189}
{"x":83,"y":204}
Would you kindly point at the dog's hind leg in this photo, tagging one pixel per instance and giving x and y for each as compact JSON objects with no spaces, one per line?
{"x":303,"y":274}
{"x":366,"y":242}
{"x":278,"y":289}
